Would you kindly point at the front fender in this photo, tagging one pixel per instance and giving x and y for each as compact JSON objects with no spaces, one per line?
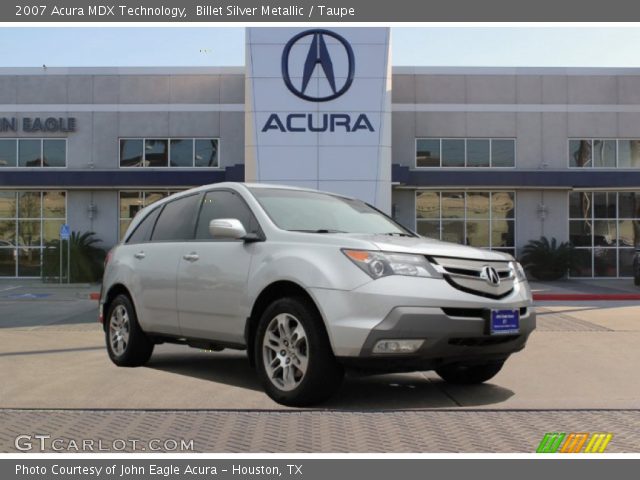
{"x":317,"y":267}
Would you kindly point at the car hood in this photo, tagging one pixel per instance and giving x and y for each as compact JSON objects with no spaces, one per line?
{"x":427,"y":246}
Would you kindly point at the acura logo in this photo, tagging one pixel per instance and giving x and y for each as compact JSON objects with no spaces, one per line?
{"x":318,"y":54}
{"x":490,"y":275}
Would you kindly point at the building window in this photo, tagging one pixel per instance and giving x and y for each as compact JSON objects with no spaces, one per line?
{"x":465,"y":152}
{"x":29,"y":221}
{"x":477,"y":218}
{"x":169,"y":152}
{"x":604,"y":153}
{"x":33,"y":152}
{"x":604,"y":228}
{"x":131,"y":202}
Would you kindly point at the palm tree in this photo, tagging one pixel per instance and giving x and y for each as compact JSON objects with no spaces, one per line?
{"x":86,"y":258}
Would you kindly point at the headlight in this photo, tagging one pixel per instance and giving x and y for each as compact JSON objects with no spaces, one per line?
{"x":518,"y":271}
{"x":382,"y":264}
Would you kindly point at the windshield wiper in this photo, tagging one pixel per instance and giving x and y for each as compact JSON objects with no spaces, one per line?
{"x":320,"y":230}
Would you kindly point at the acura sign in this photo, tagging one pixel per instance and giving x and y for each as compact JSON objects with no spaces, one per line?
{"x":326,"y":122}
{"x":318,"y":110}
{"x":318,"y":55}
{"x":318,"y":59}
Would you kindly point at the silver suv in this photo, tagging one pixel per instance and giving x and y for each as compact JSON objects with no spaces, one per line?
{"x":309,"y":283}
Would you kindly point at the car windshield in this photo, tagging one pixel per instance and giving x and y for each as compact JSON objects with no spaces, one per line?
{"x":305,"y":211}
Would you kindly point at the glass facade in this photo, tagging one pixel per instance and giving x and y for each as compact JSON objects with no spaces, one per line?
{"x":484,"y":219}
{"x":33,"y":152}
{"x":465,"y":152}
{"x":604,"y":228}
{"x":169,"y":152}
{"x":28,"y":222}
{"x":604,"y":153}
{"x":131,"y":202}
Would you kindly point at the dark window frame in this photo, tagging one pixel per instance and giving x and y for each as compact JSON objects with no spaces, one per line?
{"x":489,"y":140}
{"x":169,"y":140}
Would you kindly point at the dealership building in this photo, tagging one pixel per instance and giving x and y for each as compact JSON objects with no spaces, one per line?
{"x":489,"y":157}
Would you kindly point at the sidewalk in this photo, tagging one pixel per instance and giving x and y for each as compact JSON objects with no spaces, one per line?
{"x":34,"y":288}
{"x":587,"y":289}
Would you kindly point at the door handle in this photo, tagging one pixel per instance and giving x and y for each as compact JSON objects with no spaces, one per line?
{"x":191,"y":257}
{"x":139,"y":255}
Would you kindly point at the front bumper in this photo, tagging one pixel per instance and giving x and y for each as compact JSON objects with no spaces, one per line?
{"x":447,"y":339}
{"x":451,"y":322}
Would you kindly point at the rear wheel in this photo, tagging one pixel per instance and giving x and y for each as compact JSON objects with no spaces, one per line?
{"x":127,"y":344}
{"x":469,"y":374}
{"x":294,"y":359}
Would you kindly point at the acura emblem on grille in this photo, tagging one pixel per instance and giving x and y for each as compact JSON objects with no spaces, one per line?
{"x":490,"y":275}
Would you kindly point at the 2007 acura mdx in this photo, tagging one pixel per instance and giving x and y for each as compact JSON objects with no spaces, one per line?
{"x":309,"y":283}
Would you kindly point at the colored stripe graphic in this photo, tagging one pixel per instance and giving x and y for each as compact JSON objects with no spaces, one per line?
{"x":574,"y":442}
{"x":598,"y":443}
{"x":559,"y":442}
{"x":550,"y":442}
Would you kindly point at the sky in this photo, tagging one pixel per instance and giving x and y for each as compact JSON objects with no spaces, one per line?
{"x":224,"y":46}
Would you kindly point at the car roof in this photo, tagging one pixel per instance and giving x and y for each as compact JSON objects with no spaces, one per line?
{"x":221,"y":185}
{"x":248,"y":187}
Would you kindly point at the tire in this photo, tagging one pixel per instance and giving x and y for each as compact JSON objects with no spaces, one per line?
{"x":469,"y":374}
{"x":293,"y":356}
{"x":127,"y":344}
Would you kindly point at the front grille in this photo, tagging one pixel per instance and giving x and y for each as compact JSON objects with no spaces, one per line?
{"x":482,"y":341}
{"x":475,"y":273}
{"x":466,"y":275}
{"x":473,"y":312}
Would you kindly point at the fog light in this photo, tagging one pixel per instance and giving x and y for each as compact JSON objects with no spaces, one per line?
{"x":397,"y":346}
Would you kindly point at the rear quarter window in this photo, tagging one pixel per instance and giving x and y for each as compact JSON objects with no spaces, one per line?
{"x":142,"y":232}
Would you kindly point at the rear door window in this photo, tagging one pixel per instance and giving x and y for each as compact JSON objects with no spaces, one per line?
{"x":176,"y":221}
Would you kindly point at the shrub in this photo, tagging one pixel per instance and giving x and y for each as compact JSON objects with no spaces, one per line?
{"x":546,"y":260}
{"x":87,"y":259}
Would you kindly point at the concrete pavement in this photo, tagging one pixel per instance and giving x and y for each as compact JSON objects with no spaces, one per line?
{"x":581,"y":356}
{"x":578,"y":373}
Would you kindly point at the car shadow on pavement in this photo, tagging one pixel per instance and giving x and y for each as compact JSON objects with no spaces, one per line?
{"x":358,"y":392}
{"x":231,"y":369}
{"x":411,"y":391}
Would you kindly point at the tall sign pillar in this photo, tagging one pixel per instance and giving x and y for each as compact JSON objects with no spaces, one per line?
{"x":318,"y":110}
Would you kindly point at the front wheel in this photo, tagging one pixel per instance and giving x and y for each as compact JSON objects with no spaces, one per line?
{"x":127,"y":344}
{"x":293,"y":355}
{"x":469,"y":374}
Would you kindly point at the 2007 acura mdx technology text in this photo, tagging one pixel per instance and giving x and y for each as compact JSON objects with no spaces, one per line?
{"x":309,"y":283}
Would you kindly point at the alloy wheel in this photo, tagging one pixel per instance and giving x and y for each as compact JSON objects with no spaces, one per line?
{"x":119,"y":329}
{"x":285,"y":351}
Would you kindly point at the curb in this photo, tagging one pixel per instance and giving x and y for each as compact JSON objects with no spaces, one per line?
{"x":585,"y":296}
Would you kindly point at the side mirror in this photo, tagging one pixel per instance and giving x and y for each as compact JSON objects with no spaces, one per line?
{"x":227,"y":228}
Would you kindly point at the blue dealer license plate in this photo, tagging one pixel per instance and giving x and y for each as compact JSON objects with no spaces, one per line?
{"x":504,"y":322}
